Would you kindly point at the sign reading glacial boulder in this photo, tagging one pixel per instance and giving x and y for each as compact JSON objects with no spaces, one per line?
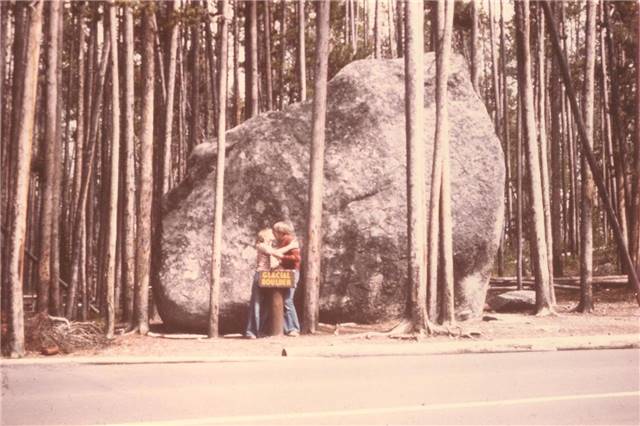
{"x":364,"y":264}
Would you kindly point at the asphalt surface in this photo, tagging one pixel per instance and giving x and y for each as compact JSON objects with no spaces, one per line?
{"x":555,"y":387}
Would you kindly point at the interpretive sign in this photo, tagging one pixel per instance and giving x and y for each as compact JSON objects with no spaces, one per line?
{"x":276,"y":279}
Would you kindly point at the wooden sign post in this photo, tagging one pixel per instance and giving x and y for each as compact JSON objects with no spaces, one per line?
{"x":274,"y":284}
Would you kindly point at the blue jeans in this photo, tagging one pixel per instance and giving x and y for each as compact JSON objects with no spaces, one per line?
{"x":253,"y":321}
{"x":291,"y":322}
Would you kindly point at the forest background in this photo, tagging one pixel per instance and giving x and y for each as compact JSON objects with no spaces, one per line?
{"x":122,"y":91}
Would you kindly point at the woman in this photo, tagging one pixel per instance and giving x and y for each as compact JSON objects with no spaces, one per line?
{"x":264,"y":246}
{"x":289,"y":254}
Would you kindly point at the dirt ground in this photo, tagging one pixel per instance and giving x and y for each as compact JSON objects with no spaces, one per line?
{"x":616,"y":312}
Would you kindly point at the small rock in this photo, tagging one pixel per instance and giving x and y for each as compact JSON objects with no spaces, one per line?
{"x":48,"y":350}
{"x":513,"y":301}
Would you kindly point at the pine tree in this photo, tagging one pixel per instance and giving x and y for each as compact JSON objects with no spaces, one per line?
{"x":316,"y":172}
{"x":20,"y":188}
{"x":416,"y":173}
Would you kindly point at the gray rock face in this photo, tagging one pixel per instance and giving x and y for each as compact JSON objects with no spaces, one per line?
{"x":513,"y":301}
{"x":364,"y":266}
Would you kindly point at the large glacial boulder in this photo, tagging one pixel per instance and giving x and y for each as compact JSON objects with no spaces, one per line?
{"x":364,"y":265}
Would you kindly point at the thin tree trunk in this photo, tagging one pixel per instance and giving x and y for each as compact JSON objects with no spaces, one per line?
{"x":80,"y":122}
{"x":3,"y":146}
{"x":216,"y":261}
{"x":505,"y":122}
{"x":182,"y":120}
{"x":445,"y":29}
{"x":416,"y":172}
{"x":114,"y":172}
{"x":252,"y":108}
{"x":586,"y":221}
{"x":588,"y":154}
{"x":81,"y":253}
{"x":377,"y":32}
{"x":145,"y":183}
{"x":611,"y":182}
{"x":302,"y":61}
{"x":283,"y":55}
{"x":20,"y":189}
{"x":635,"y":235}
{"x":267,"y":54}
{"x":475,"y":51}
{"x":51,"y":145}
{"x":169,"y":106}
{"x":390,"y":21}
{"x":544,"y":162}
{"x":494,"y":67}
{"x":354,"y":26}
{"x":194,"y":122}
{"x":313,"y":240}
{"x":617,"y":136}
{"x":365,"y":27}
{"x":399,"y":27}
{"x":540,"y":267}
{"x":19,"y":49}
{"x":129,"y":220}
{"x":347,"y":22}
{"x":556,"y":170}
{"x":210,"y":78}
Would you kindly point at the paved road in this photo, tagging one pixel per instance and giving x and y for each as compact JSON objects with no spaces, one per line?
{"x":568,"y":387}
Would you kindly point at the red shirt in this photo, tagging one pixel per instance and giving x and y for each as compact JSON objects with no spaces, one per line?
{"x":291,"y":259}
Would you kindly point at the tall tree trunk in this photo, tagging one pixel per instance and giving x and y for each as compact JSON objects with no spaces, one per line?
{"x":588,"y":154}
{"x":354,"y":26}
{"x":115,"y":167}
{"x":400,"y":27}
{"x":494,"y":66}
{"x":283,"y":55}
{"x":540,"y":267}
{"x":51,"y":145}
{"x":80,"y":122}
{"x":544,"y":162}
{"x":216,"y":261}
{"x":20,"y":188}
{"x":505,"y":123}
{"x":182,"y":114}
{"x":129,"y":221}
{"x":347,"y":22}
{"x":617,"y":132}
{"x":556,"y":170}
{"x":169,"y":106}
{"x":519,"y":197}
{"x":267,"y":54}
{"x":3,"y":154}
{"x":416,"y":172}
{"x":252,"y":107}
{"x":145,"y":183}
{"x":194,"y":122}
{"x":81,"y":252}
{"x":377,"y":32}
{"x":586,"y":221}
{"x":237,"y":109}
{"x":302,"y":62}
{"x":475,"y":51}
{"x":19,"y":52}
{"x":441,"y":143}
{"x":390,"y":21}
{"x":635,"y":240}
{"x":313,"y":240}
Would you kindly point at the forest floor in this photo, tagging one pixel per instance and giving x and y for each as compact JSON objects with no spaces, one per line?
{"x":616,"y":313}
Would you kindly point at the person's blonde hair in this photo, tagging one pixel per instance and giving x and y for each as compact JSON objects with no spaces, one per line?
{"x":283,"y":228}
{"x":266,"y":235}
